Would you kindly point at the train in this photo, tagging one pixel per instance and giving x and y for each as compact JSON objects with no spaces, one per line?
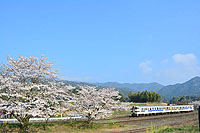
{"x":153,"y":110}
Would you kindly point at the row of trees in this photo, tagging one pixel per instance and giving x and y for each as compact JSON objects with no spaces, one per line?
{"x":144,"y":96}
{"x":184,"y":99}
{"x":29,"y":88}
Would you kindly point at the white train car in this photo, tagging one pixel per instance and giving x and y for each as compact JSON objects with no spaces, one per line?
{"x":149,"y":110}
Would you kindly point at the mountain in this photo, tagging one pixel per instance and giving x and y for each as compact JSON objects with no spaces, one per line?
{"x":123,"y":88}
{"x":75,"y":83}
{"x":189,"y":88}
{"x":135,"y":87}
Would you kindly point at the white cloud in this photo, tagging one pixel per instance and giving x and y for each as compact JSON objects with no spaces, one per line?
{"x":145,"y":66}
{"x":183,"y":67}
{"x":185,"y":59}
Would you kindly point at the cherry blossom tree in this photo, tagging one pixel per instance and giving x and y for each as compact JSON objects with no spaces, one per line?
{"x":96,"y":104}
{"x":28,"y":88}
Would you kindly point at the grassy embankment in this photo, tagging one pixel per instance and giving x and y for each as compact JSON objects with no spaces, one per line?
{"x":168,"y":129}
{"x":68,"y":126}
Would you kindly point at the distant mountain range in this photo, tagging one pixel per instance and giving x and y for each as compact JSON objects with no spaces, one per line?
{"x":133,"y":87}
{"x":189,"y":88}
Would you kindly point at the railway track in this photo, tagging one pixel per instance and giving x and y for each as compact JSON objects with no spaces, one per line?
{"x":142,"y":124}
{"x":128,"y":119}
{"x":139,"y":130}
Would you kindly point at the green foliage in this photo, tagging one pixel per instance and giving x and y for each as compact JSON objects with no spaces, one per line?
{"x":144,"y":96}
{"x":121,"y":113}
{"x":113,"y":124}
{"x":167,"y":129}
{"x":71,"y":126}
{"x":181,"y":100}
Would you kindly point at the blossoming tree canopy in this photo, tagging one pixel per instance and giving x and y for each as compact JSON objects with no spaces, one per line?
{"x":96,"y":104}
{"x":28,"y":88}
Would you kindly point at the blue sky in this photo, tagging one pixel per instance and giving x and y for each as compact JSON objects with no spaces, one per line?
{"x":132,"y":41}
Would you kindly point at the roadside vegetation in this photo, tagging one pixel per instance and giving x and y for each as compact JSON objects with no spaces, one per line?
{"x":184,"y":99}
{"x":147,"y":104}
{"x":65,"y":126}
{"x":168,"y":129}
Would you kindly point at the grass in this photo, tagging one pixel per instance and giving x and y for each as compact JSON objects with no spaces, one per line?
{"x":121,"y":113}
{"x":67,"y":126}
{"x":147,"y":104}
{"x":189,"y":129}
{"x":167,"y":129}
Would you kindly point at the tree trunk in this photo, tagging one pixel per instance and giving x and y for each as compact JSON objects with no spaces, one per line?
{"x":23,"y":122}
{"x":89,"y":118}
{"x":45,"y":125}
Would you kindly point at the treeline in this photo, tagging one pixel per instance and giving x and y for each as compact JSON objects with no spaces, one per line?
{"x":184,"y":99}
{"x":144,"y":96}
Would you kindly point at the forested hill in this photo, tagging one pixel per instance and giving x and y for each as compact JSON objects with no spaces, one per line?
{"x":123,"y":91}
{"x":189,"y":88}
{"x":124,"y":88}
{"x":135,"y":87}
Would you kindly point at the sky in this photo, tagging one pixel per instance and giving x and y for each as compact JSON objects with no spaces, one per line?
{"x":126,"y":41}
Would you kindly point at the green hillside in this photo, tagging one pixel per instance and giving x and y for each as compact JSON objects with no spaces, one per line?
{"x":189,"y":88}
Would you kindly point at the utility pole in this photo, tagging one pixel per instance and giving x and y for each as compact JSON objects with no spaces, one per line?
{"x":199,"y":117}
